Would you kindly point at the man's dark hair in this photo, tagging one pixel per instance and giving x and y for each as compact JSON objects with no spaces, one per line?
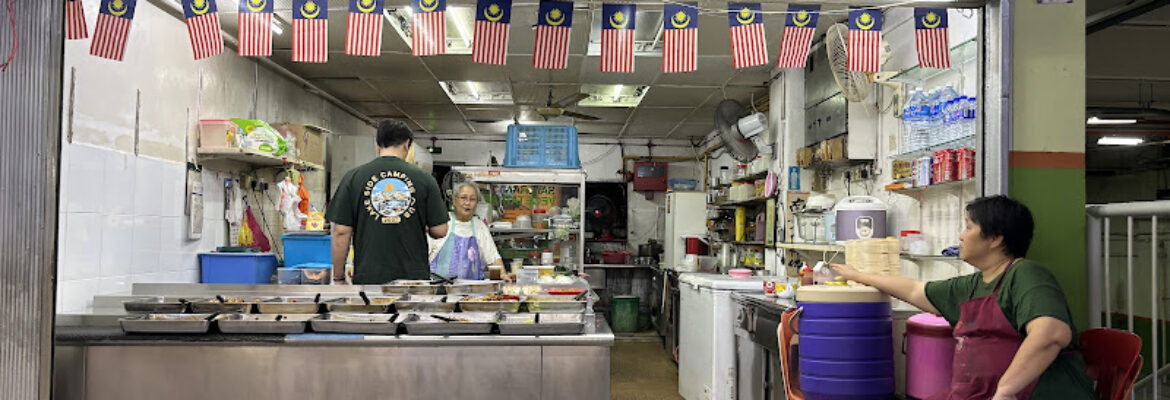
{"x":393,"y":133}
{"x":1002,"y":216}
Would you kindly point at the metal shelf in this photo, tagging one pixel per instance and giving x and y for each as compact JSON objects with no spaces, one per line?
{"x":237,"y":158}
{"x":811,"y":247}
{"x":963,"y":142}
{"x":961,"y":54}
{"x":752,"y":177}
{"x":914,"y":191}
{"x":929,"y":257}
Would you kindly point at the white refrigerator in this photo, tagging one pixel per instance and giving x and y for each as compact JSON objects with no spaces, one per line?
{"x":686,"y":214}
{"x":706,"y":338}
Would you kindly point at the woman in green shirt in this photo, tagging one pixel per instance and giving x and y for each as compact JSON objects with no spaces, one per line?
{"x":1016,"y":338}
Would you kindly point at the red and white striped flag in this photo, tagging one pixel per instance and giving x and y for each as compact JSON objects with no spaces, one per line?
{"x":863,"y":49}
{"x":554,"y":24}
{"x":680,"y":37}
{"x":428,"y":27}
{"x":930,"y":38}
{"x":617,"y":37}
{"x":203,"y":28}
{"x":492,"y":19}
{"x":363,"y":30}
{"x":113,"y":28}
{"x":748,"y":48}
{"x":75,"y":20}
{"x":255,"y":21}
{"x":799,"y":26}
{"x":310,"y":30}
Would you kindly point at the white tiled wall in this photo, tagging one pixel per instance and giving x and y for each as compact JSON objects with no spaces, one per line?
{"x":123,"y":222}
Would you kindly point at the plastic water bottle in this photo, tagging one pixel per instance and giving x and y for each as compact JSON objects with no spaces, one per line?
{"x":946,"y":96}
{"x":970,"y":117}
{"x":933,"y":118}
{"x":909,"y":116}
{"x":914,"y":118}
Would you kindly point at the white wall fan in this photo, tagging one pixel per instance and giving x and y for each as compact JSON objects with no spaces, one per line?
{"x":857,"y":86}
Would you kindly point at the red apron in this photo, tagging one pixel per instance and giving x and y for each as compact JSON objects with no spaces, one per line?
{"x":987,"y":344}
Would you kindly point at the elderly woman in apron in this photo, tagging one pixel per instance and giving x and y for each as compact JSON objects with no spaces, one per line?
{"x":468,"y":248}
{"x":1014,"y":331}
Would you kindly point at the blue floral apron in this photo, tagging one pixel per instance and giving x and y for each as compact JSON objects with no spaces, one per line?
{"x":459,"y":257}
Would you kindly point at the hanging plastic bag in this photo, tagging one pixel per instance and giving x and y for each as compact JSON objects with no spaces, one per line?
{"x":304,"y":195}
{"x":290,"y":215}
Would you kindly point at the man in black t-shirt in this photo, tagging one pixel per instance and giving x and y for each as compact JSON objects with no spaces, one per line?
{"x":386,"y":206}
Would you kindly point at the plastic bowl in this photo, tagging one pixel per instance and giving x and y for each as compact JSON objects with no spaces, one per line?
{"x":740,"y":272}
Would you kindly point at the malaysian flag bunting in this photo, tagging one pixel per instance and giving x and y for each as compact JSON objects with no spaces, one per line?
{"x":617,"y":37}
{"x":75,"y":20}
{"x":113,"y":27}
{"x":799,"y":25}
{"x":310,"y":31}
{"x":363,"y":32}
{"x":930,"y":37}
{"x":747,"y":35}
{"x":428,"y":27}
{"x":255,"y":21}
{"x":680,"y":37}
{"x":863,"y":49}
{"x":554,"y":21}
{"x":202,"y":18}
{"x":492,"y":19}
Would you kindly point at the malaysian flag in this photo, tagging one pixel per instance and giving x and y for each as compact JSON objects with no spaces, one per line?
{"x":492,"y":18}
{"x":310,"y":31}
{"x":680,"y":37}
{"x":75,"y":20}
{"x":203,"y":28}
{"x":747,"y":35}
{"x":930,"y":37}
{"x":255,"y":21}
{"x":554,"y":21}
{"x":617,"y":37}
{"x":428,"y":27}
{"x":363,"y":32}
{"x":863,"y":49}
{"x":799,"y":26}
{"x":113,"y":27}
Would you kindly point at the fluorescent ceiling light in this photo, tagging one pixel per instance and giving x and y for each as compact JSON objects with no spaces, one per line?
{"x":1110,"y":121}
{"x":469,"y":92}
{"x":1119,"y":141}
{"x":276,"y":28}
{"x":471,"y":87}
{"x":459,"y":27}
{"x":612,"y":95}
{"x":617,"y":93}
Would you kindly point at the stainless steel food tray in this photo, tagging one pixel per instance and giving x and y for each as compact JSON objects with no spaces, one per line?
{"x":288,"y":305}
{"x":357,"y":305}
{"x":372,"y":324}
{"x":426,"y":303}
{"x":565,"y":304}
{"x":410,"y":287}
{"x":470,"y":287}
{"x":509,"y":306}
{"x":166,"y":323}
{"x":424,"y":324}
{"x":157,"y":305}
{"x":264,"y":323}
{"x":565,"y":324}
{"x":214,"y":305}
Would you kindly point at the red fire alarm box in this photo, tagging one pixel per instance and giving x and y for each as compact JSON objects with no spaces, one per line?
{"x":650,"y":176}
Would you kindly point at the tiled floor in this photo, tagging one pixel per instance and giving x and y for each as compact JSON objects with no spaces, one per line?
{"x":642,"y":370}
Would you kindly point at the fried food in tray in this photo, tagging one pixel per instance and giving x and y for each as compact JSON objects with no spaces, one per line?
{"x":491,"y":303}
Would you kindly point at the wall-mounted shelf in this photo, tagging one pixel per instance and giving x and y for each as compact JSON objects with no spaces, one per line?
{"x":915,"y":191}
{"x":755,"y":201}
{"x":929,"y":257}
{"x":961,"y":54}
{"x":752,"y":177}
{"x":963,"y":142}
{"x":810,"y":246}
{"x":239,"y":158}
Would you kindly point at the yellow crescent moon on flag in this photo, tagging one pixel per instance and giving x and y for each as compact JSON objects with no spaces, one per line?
{"x":310,"y":10}
{"x":493,"y":13}
{"x":256,"y":5}
{"x":618,"y":20}
{"x":802,"y":18}
{"x":428,"y":6}
{"x":200,"y":7}
{"x":117,"y":8}
{"x":680,"y":20}
{"x":554,"y":17}
{"x":931,"y":21}
{"x":366,"y":6}
{"x":865,"y":22}
{"x":745,"y":16}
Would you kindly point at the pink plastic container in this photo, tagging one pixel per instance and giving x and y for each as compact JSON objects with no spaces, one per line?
{"x":740,"y":273}
{"x":930,"y":352}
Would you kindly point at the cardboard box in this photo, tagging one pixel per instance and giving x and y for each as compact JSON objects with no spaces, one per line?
{"x":804,"y":157}
{"x":833,"y":149}
{"x":310,"y":140}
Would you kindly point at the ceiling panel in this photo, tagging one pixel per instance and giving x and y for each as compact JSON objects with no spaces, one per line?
{"x":520,"y":70}
{"x":444,"y":126}
{"x":598,"y":128}
{"x":414,"y":92}
{"x":431,"y":111}
{"x":659,"y":96}
{"x":539,"y":94}
{"x":691,"y":130}
{"x":388,"y":66}
{"x":488,"y":113}
{"x":646,"y":69}
{"x":607,"y":114}
{"x":660,"y":116}
{"x":713,"y":72}
{"x":377,"y":109}
{"x":348,"y":89}
{"x":458,"y":67}
{"x":494,"y":128}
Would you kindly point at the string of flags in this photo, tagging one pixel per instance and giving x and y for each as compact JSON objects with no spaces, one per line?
{"x":428,"y":31}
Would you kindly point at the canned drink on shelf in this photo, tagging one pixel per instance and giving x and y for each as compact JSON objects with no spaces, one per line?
{"x":966,"y":163}
{"x":944,"y":165}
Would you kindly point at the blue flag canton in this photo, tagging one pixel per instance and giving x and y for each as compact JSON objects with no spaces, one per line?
{"x":494,"y":11}
{"x":802,"y":16}
{"x":739,"y":14}
{"x":680,"y":16}
{"x":195,"y":8}
{"x":618,"y":16}
{"x":930,"y":18}
{"x":865,"y":20}
{"x":555,"y":13}
{"x":428,"y":6}
{"x":310,"y":9}
{"x":255,"y":6}
{"x":118,"y":8}
{"x":362,"y":6}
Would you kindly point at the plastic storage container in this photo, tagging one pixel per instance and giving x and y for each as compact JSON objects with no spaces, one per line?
{"x":540,"y":146}
{"x":217,"y":133}
{"x":930,"y":352}
{"x":245,"y":268}
{"x":846,"y":343}
{"x":306,"y":249}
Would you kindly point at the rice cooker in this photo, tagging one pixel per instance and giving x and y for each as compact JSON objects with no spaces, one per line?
{"x":860,"y":217}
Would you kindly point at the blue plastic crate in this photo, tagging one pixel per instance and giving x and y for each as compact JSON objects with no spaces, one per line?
{"x":245,"y":268}
{"x":542,"y":146}
{"x":307,"y":249}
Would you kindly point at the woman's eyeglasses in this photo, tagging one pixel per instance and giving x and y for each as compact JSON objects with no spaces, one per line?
{"x":467,"y":199}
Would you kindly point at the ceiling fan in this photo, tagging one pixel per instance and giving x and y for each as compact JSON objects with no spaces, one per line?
{"x":557,"y":109}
